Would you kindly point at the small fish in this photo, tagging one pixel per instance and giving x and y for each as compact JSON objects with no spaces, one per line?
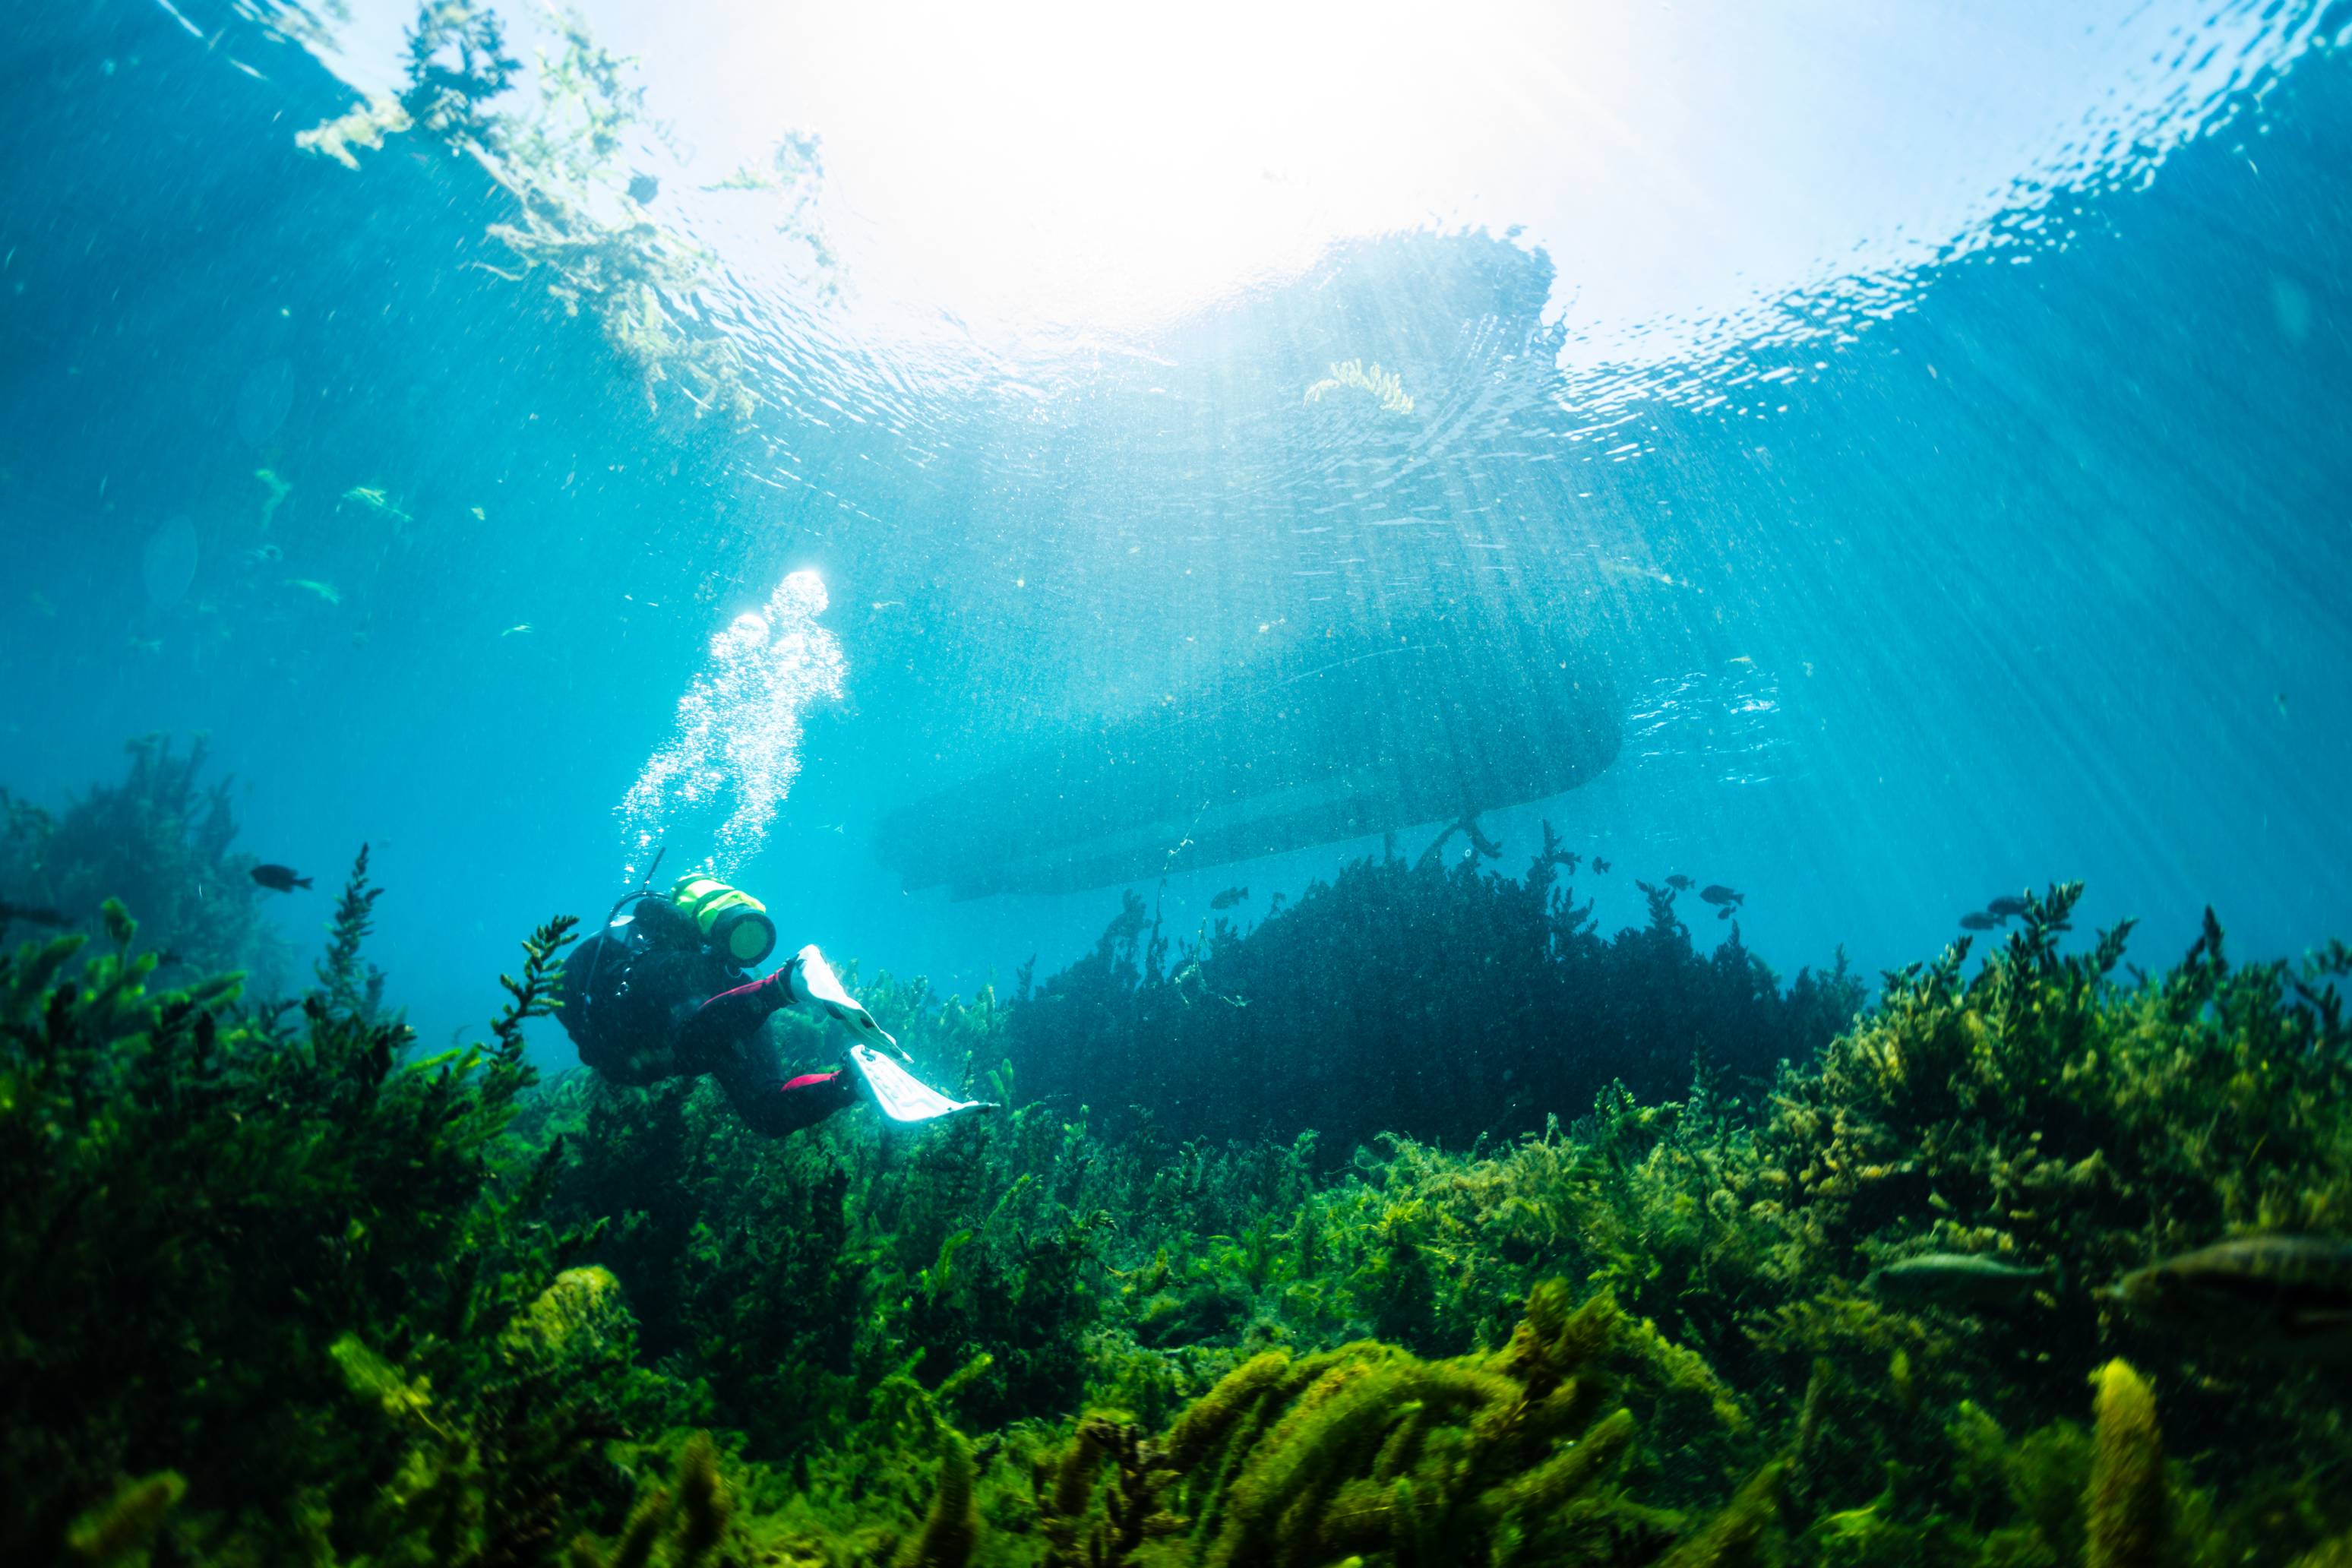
{"x":324,"y":590}
{"x":279,"y":879}
{"x":2279,"y":1295}
{"x":2006,"y":908}
{"x":262,"y":554}
{"x":1679,"y":883}
{"x":1717,"y":893}
{"x":644,"y":188}
{"x":375,"y":499}
{"x":1961,"y":1280}
{"x":30,"y":914}
{"x":1229,"y":897}
{"x":1599,"y":865}
{"x":1978,"y":920}
{"x":278,"y":491}
{"x":510,"y":631}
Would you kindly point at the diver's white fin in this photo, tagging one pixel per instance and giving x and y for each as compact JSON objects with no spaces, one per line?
{"x":899,"y":1096}
{"x":816,"y":987}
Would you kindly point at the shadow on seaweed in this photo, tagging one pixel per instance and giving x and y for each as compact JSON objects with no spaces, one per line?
{"x":1443,"y":1002}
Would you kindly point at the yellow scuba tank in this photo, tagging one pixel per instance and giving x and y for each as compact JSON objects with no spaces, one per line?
{"x":730,"y":919}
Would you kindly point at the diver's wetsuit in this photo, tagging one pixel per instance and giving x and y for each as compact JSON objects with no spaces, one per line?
{"x":653,"y":1001}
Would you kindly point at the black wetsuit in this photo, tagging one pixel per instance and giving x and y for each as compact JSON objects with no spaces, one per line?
{"x":650,"y":1000}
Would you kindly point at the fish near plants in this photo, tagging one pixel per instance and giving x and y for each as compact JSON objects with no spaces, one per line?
{"x":1963,"y":1281}
{"x":2007,"y":907}
{"x":1724,"y":899}
{"x":2273,"y":1296}
{"x":1680,"y":883}
{"x":1229,"y":897}
{"x":376,"y":500}
{"x":1976,"y":920}
{"x":1600,"y":866}
{"x":279,"y":879}
{"x":312,"y":586}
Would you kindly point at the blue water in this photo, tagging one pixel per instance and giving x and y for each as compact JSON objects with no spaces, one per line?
{"x":2024,"y":555}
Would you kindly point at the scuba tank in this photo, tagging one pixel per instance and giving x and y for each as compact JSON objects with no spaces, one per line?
{"x":732,"y":921}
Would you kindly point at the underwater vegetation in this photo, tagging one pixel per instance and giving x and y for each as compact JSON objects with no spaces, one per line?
{"x":1411,"y":996}
{"x":276,"y":1285}
{"x":161,"y":841}
{"x":574,"y":223}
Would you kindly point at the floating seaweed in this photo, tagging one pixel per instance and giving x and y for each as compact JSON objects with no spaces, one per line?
{"x":1385,"y":387}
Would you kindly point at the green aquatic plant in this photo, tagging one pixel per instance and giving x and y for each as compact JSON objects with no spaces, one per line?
{"x":1370,"y":1451}
{"x":677,"y":1526}
{"x":2046,"y":1111}
{"x":272,"y":1288}
{"x":197,"y":1202}
{"x":457,"y":65}
{"x":952,"y":1524}
{"x":567,"y":223}
{"x":1123,"y":1026}
{"x":2123,"y":1505}
{"x":121,"y":1530}
{"x":161,"y":842}
{"x":364,"y":125}
{"x":568,"y":227}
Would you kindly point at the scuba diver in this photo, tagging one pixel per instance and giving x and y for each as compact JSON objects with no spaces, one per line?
{"x":665,"y":992}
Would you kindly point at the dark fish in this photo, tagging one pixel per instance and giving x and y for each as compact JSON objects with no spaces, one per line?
{"x":644,"y":188}
{"x":1961,"y":1279}
{"x":2006,"y":908}
{"x":1679,"y":883}
{"x":1978,"y":921}
{"x":1599,"y":865}
{"x":279,"y":879}
{"x":2285,"y":1296}
{"x":1717,"y":893}
{"x":29,"y":914}
{"x":1229,"y":897}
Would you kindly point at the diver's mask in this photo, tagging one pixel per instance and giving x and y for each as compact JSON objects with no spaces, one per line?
{"x":732,"y":921}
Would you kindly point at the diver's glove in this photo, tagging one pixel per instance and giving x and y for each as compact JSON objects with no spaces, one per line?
{"x":816,"y":988}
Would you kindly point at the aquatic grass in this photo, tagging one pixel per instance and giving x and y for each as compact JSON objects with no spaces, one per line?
{"x":270,"y":1287}
{"x":1249,"y":1034}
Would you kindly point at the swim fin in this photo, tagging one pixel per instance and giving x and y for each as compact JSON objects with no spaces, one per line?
{"x":899,"y":1096}
{"x":814,"y":986}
